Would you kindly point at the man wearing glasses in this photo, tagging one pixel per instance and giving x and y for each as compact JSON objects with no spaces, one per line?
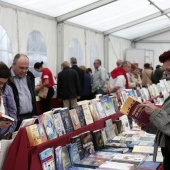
{"x":23,"y":89}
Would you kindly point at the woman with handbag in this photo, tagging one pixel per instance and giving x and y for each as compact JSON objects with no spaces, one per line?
{"x":45,"y":89}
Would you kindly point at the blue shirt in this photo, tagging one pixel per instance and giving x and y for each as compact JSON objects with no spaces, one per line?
{"x":25,"y":98}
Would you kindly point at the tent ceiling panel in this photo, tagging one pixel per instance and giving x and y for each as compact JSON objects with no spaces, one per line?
{"x":52,"y":8}
{"x":163,"y":4}
{"x":118,"y":13}
{"x":130,"y":18}
{"x":144,"y":28}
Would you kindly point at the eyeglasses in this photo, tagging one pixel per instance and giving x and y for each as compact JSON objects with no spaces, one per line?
{"x":24,"y":68}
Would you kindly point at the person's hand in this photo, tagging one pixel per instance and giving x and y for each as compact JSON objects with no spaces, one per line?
{"x":37,"y":88}
{"x":8,"y":135}
{"x":149,"y":107}
{"x":5,"y":124}
{"x":137,"y":83}
{"x":78,"y":97}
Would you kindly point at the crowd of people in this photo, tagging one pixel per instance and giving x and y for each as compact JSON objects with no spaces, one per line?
{"x":76,"y":83}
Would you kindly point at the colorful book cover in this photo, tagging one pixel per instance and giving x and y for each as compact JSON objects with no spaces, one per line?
{"x":75,"y":119}
{"x":125,"y":123}
{"x":47,"y":159}
{"x":79,"y":168}
{"x":148,"y":165}
{"x":33,"y":135}
{"x":65,"y":116}
{"x":107,"y":105}
{"x":143,"y":149}
{"x":98,"y":140}
{"x":104,"y":136}
{"x":102,"y":155}
{"x":116,"y":166}
{"x":47,"y":120}
{"x":130,"y":108}
{"x":74,"y":153}
{"x":78,"y":141}
{"x":130,"y":157}
{"x":58,"y":123}
{"x":87,"y":141}
{"x":116,"y":150}
{"x":86,"y":110}
{"x":65,"y":158}
{"x":42,"y":132}
{"x":58,"y":158}
{"x":80,"y":114}
{"x":91,"y":162}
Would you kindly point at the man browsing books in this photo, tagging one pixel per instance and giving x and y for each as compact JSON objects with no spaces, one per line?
{"x":160,"y":120}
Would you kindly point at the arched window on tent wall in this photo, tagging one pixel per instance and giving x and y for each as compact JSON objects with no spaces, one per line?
{"x":36,"y":50}
{"x":94,"y":54}
{"x":75,"y":51}
{"x":5,"y":48}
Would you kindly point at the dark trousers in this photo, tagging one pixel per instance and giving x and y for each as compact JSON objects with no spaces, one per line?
{"x":166,"y":153}
{"x":46,"y":103}
{"x":21,"y":117}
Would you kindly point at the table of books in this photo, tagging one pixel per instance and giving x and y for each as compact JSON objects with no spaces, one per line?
{"x":22,"y":157}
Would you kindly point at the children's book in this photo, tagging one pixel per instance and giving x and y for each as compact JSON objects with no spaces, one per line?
{"x":47,"y":159}
{"x":107,"y":105}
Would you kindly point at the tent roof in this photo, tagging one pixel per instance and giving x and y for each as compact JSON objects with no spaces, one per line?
{"x":130,"y":19}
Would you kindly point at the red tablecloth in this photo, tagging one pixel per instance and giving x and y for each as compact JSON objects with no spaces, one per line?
{"x":22,"y":157}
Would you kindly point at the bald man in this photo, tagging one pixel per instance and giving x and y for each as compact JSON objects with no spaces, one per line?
{"x":23,"y":89}
{"x":119,"y":63}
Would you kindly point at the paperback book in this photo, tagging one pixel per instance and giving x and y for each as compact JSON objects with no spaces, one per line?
{"x":47,"y":159}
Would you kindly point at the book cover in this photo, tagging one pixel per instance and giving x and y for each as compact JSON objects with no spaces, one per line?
{"x":33,"y":135}
{"x":27,"y":122}
{"x":116,"y":166}
{"x":58,"y":123}
{"x":65,"y":158}
{"x":58,"y":158}
{"x":87,"y":141}
{"x":103,"y":155}
{"x":104,"y":136}
{"x":6,"y":118}
{"x":119,"y":125}
{"x":100,"y":109}
{"x":148,"y":165}
{"x":78,"y":141}
{"x":80,"y":114}
{"x":130,"y":108}
{"x":75,"y":119}
{"x":74,"y":153}
{"x":115,"y":103}
{"x":79,"y":168}
{"x":42,"y":132}
{"x":143,"y":149}
{"x":107,"y":105}
{"x":117,"y":150}
{"x":87,"y":113}
{"x":47,"y":159}
{"x":125,"y":123}
{"x":65,"y":116}
{"x":130,"y":157}
{"x":91,"y":162}
{"x":47,"y":120}
{"x":98,"y":140}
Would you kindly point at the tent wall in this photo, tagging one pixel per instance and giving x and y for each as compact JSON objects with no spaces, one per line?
{"x":19,"y":24}
{"x":157,"y":44}
{"x":86,"y":38}
{"x":117,"y":49}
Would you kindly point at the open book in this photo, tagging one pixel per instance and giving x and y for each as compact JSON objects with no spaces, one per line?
{"x":131,"y":108}
{"x":6,"y":118}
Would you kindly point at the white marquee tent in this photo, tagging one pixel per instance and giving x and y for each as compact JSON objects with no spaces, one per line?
{"x":55,"y":30}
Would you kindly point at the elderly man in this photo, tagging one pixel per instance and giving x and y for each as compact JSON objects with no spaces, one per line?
{"x":119,"y":63}
{"x":118,"y":80}
{"x":68,"y":86}
{"x":99,"y":78}
{"x":23,"y":89}
{"x":160,"y":119}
